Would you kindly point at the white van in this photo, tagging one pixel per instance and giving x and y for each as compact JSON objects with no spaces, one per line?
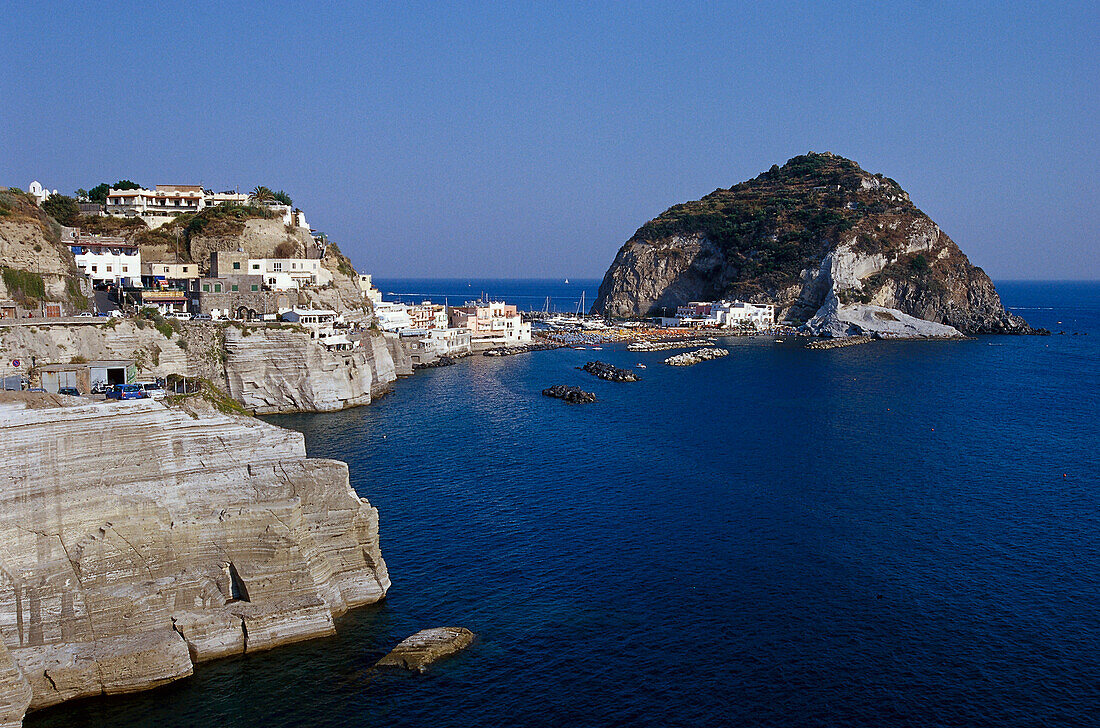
{"x":152,"y":389}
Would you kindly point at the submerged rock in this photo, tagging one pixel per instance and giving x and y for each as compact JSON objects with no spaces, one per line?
{"x":608,"y":372}
{"x":426,"y":647}
{"x":572,"y":395}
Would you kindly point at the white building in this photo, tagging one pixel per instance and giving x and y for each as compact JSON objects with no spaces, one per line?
{"x":104,"y":259}
{"x":736,"y":314}
{"x":366,"y":287}
{"x":392,"y":316}
{"x":286,"y":274}
{"x":40,"y":193}
{"x":427,"y":345}
{"x":491,"y":323}
{"x":158,"y":206}
{"x":321,"y":323}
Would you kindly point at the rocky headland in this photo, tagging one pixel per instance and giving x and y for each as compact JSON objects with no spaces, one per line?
{"x":137,"y":540}
{"x":832,"y":245}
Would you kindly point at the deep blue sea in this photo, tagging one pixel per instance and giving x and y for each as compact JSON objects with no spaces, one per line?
{"x":896,"y":534}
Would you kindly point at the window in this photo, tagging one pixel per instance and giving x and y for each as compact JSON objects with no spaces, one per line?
{"x":255,"y":287}
{"x":206,"y":288}
{"x":236,"y":265}
{"x":93,"y":269}
{"x":125,"y":269}
{"x":233,"y":287}
{"x":108,"y":269}
{"x":184,"y":269}
{"x":255,"y":266}
{"x":217,"y":288}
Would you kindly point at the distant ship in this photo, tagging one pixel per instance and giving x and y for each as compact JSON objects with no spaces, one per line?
{"x":566,"y":280}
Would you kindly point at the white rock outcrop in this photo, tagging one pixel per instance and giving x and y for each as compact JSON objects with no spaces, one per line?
{"x":835,"y":320}
{"x":137,"y":540}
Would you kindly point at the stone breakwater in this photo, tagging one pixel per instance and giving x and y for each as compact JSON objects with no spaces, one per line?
{"x":138,"y":540}
{"x":666,"y":345}
{"x":572,"y":395}
{"x":838,"y":343}
{"x":610,"y":373}
{"x":694,"y":357}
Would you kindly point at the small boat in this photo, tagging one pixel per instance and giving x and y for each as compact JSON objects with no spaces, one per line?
{"x":597,"y":348}
{"x":779,"y":341}
{"x":566,"y":280}
{"x":640,"y":365}
{"x":579,"y":348}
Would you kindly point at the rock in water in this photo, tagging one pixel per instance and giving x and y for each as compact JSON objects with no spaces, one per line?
{"x":694,"y":357}
{"x":816,"y":229}
{"x":606,"y":371}
{"x":427,"y":647}
{"x":572,"y":395}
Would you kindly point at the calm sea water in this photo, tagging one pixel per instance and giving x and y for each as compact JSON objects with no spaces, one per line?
{"x":898,"y":534}
{"x":528,"y":295}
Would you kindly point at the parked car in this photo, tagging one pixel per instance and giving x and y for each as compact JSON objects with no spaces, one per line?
{"x":152,"y":389}
{"x":201,"y":317}
{"x":84,"y":314}
{"x":116,"y":314}
{"x":71,"y":391}
{"x":126,"y":391}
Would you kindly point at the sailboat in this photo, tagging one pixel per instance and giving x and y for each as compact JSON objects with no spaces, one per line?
{"x":566,"y":280}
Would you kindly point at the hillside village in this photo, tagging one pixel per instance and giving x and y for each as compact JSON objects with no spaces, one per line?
{"x":186,"y":256}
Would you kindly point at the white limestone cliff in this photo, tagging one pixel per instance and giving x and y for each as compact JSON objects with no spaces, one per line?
{"x":137,"y":540}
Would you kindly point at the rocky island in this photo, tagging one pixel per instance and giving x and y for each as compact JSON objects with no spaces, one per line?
{"x":837,"y":249}
{"x":207,"y":534}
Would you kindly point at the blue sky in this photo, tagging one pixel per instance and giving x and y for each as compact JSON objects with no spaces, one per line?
{"x":531,"y":140}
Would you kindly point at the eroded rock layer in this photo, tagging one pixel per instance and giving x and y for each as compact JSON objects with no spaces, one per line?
{"x":137,"y":540}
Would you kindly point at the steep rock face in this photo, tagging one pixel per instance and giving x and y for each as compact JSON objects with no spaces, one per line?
{"x":260,"y":238}
{"x":266,"y":369}
{"x":206,"y":535}
{"x":817,"y":227}
{"x":282,"y":370}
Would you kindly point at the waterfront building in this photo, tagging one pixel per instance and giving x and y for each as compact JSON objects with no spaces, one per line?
{"x":491,"y":323}
{"x":426,"y":345}
{"x":392,"y":316}
{"x":104,"y":259}
{"x":735,"y":314}
{"x":428,"y":315}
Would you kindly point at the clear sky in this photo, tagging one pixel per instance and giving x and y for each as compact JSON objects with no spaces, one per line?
{"x":531,"y":140}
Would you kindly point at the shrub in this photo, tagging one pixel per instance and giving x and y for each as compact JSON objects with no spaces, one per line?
{"x":62,"y":208}
{"x":24,"y":282}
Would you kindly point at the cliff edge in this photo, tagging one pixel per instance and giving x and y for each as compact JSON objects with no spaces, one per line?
{"x":137,"y":540}
{"x":821,"y":238}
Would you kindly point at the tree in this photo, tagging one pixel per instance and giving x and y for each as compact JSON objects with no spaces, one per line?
{"x":81,"y":194}
{"x":262,"y":194}
{"x":98,"y":193}
{"x":283,"y":198}
{"x":125,"y":184}
{"x":62,"y":208}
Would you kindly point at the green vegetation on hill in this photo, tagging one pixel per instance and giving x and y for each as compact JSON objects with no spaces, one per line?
{"x":772,"y":227}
